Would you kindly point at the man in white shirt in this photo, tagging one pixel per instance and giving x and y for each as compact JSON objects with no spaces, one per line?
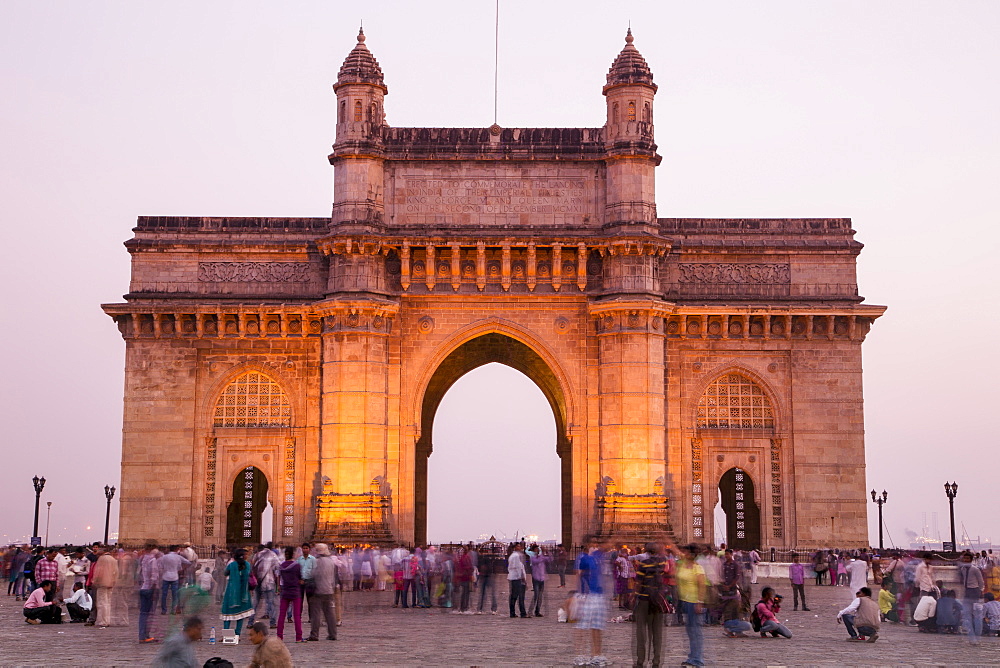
{"x":857,"y":569}
{"x":205,"y":580}
{"x":924,"y":576}
{"x":171,"y":565}
{"x":79,"y":604}
{"x":516,"y":579}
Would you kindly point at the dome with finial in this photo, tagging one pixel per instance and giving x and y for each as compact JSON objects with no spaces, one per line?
{"x":629,"y":67}
{"x":360,"y":66}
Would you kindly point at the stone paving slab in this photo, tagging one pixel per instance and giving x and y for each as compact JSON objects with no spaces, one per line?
{"x":374,"y":633}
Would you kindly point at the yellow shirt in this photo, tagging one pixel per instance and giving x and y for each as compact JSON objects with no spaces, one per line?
{"x":687,"y":581}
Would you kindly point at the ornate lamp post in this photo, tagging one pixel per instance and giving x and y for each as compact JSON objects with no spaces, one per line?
{"x":952,"y":491}
{"x":39,"y":484}
{"x":48,"y":516}
{"x":109,"y":493}
{"x":880,"y":500}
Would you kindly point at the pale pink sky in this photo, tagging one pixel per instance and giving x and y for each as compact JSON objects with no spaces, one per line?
{"x":885,"y":112}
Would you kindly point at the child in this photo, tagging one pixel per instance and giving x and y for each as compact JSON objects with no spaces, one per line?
{"x":887,"y":602}
{"x":398,"y":586}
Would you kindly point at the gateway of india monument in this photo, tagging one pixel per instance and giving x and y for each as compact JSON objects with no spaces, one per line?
{"x":299,"y":362}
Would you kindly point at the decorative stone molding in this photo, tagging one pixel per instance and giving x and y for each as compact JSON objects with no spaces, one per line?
{"x":208,"y":322}
{"x":361,"y":316}
{"x":254,"y":272}
{"x":733,"y":272}
{"x":620,"y":316}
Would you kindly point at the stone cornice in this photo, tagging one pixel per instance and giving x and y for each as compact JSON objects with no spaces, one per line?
{"x":242,"y":321}
{"x":362,"y":316}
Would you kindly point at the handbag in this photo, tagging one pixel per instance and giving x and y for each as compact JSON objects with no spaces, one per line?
{"x":821,"y":567}
{"x":252,"y":581}
{"x":659,"y":603}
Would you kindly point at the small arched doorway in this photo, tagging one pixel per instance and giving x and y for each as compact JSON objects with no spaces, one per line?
{"x":736,"y":491}
{"x":243,"y":517}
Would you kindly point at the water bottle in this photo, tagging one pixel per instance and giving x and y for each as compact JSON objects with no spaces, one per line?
{"x":211,"y":637}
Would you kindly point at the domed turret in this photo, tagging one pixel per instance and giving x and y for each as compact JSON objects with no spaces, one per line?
{"x":360,"y":66}
{"x":629,"y":67}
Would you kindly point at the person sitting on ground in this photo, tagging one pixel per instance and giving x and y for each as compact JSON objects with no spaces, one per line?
{"x":765,"y":609}
{"x":269,"y":652}
{"x":949,"y":613}
{"x":40,"y":607}
{"x":991,"y":614}
{"x":79,"y":604}
{"x":206,"y":581}
{"x":861,"y":617}
{"x":178,"y":651}
{"x":925,"y":613}
{"x":887,"y":602}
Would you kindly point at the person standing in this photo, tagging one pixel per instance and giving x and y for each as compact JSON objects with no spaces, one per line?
{"x":47,"y":568}
{"x":306,"y":563}
{"x":592,"y":607}
{"x":171,"y":565}
{"x":487,"y":582}
{"x":972,"y":607}
{"x":219,"y":573}
{"x":797,"y":577}
{"x":149,"y":577}
{"x":463,"y":579}
{"x":265,"y":568}
{"x":516,"y":576}
{"x":649,"y":569}
{"x":321,"y":601}
{"x":290,"y":577}
{"x":236,"y":602}
{"x":857,"y":569}
{"x":539,"y":574}
{"x":923,"y":577}
{"x":754,"y":560}
{"x":105,"y":577}
{"x":691,"y":590}
{"x":561,"y":560}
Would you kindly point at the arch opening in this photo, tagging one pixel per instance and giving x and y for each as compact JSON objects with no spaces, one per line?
{"x":493,"y":470}
{"x":490,"y":348}
{"x":736,"y":497}
{"x":244,"y":517}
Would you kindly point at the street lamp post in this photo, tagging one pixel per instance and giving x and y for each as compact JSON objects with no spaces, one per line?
{"x":48,"y":516}
{"x":880,"y":500}
{"x":109,"y":493}
{"x":39,"y":484}
{"x":952,"y":491}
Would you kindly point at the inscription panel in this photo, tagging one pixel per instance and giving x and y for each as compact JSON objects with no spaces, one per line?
{"x":494,"y":197}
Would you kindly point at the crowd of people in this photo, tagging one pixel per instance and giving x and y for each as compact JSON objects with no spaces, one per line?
{"x":269,"y":589}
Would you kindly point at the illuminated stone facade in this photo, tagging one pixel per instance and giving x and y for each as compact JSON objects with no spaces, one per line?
{"x":302,"y":360}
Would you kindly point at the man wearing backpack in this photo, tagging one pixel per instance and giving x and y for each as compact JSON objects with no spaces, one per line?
{"x":649,"y":603}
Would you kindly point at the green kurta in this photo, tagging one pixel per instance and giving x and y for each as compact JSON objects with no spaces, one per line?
{"x":236,"y":602}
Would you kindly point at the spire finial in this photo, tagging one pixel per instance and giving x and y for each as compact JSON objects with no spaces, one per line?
{"x":628,"y":36}
{"x":361,"y":34}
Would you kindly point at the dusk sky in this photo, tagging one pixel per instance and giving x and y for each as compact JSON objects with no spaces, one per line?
{"x":883,"y":112}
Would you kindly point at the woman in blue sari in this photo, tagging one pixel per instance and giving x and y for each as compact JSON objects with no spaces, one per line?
{"x":236,"y":602}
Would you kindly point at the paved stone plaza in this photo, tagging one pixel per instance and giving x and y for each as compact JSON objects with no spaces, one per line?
{"x":375,"y":633}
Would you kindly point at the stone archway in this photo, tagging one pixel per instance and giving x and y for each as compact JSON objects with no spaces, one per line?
{"x":243,"y":517}
{"x":479,"y":351}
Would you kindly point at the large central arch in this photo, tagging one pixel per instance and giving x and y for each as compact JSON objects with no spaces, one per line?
{"x":485,"y":349}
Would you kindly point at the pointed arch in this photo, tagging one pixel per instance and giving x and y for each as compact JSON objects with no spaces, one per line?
{"x":630,"y":113}
{"x":357,"y":111}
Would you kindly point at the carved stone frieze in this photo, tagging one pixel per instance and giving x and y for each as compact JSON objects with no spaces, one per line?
{"x":253,"y":272}
{"x":733,"y":272}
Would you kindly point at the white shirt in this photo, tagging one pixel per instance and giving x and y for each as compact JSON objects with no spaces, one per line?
{"x":515,"y":566}
{"x":858,"y":570}
{"x":81,"y":598}
{"x":170,"y":564}
{"x":851,"y":609}
{"x":205,"y":581}
{"x":925,"y":609}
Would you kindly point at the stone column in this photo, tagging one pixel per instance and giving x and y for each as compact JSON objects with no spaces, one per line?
{"x":632,"y":410}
